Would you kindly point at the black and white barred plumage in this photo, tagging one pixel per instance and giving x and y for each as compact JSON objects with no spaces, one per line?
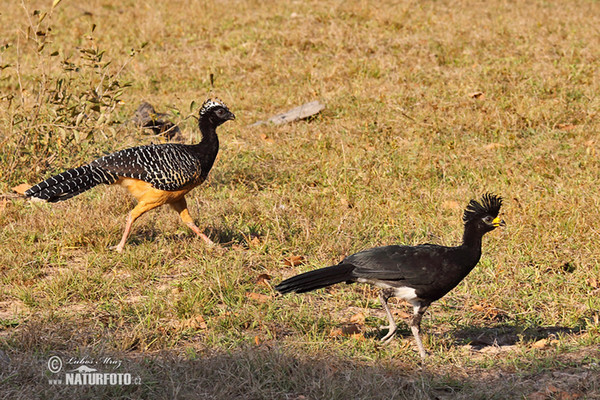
{"x":168,"y":167}
{"x":70,"y":183}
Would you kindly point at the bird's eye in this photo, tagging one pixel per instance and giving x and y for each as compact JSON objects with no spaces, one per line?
{"x":488,"y":219}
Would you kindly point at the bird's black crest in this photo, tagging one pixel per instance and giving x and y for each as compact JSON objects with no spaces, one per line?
{"x":210,"y":104}
{"x":488,"y":205}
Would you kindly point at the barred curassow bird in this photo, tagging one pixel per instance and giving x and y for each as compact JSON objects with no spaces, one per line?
{"x":418,"y":274}
{"x":154,"y":174}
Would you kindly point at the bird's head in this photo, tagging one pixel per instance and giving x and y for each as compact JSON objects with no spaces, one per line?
{"x":215,"y":112}
{"x":483,"y":214}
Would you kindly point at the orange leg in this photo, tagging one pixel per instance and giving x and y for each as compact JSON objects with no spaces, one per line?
{"x":181,"y":207}
{"x":137,"y":211}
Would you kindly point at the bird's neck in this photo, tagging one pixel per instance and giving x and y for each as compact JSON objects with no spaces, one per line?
{"x":472,"y":238}
{"x":209,"y":131}
{"x":470,"y":249}
{"x":208,"y":147}
{"x":209,"y":141}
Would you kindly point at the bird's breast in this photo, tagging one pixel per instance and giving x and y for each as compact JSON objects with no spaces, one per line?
{"x":144,"y":191}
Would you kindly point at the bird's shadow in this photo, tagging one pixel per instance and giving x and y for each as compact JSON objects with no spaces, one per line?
{"x":229,"y":237}
{"x":507,"y":334}
{"x":221,"y":236}
{"x":479,"y":337}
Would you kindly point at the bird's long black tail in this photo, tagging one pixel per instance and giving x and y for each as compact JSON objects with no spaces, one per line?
{"x":317,"y":279}
{"x":70,"y":183}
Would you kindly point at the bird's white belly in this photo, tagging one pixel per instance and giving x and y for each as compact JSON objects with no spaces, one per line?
{"x":403,"y":292}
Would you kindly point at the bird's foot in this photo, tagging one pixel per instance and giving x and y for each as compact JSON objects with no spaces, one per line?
{"x":391,"y":331}
{"x":118,"y":248}
{"x":212,"y":246}
{"x":201,"y":235}
{"x":207,"y":240}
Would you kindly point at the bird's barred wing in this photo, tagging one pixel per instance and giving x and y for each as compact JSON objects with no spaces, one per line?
{"x":411,"y":264}
{"x":166,"y":166}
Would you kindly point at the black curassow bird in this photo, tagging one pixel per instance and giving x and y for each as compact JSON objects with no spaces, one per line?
{"x":154,"y":174}
{"x":418,"y":274}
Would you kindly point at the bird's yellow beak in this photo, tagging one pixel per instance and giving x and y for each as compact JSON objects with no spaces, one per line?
{"x":498,"y":222}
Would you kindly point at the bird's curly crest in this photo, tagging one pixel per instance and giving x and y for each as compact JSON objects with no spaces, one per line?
{"x":488,"y":205}
{"x":210,"y":103}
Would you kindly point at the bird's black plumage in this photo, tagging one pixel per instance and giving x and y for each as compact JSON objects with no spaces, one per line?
{"x":419,"y":274}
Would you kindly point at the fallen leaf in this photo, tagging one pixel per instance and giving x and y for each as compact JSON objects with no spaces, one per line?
{"x":335,"y":332}
{"x":257,"y":340}
{"x":176,"y":290}
{"x":475,"y":95}
{"x":266,"y":138}
{"x":537,"y":396}
{"x":263,"y":279}
{"x":22,"y":188}
{"x":358,"y":318}
{"x":352,"y":330}
{"x":592,"y":280}
{"x":478,"y":307}
{"x":293,"y":261}
{"x":255,"y":241}
{"x":489,"y":311}
{"x":552,"y":389}
{"x":540,"y":344}
{"x":197,"y":322}
{"x":258,"y":297}
{"x":554,"y":392}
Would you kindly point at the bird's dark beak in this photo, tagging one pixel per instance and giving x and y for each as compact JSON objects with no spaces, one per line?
{"x":498,"y":222}
{"x":231,"y":116}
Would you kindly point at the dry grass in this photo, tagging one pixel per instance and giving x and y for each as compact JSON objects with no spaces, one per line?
{"x":401,"y":147}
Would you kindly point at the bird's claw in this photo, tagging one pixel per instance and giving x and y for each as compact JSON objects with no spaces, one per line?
{"x":391,"y":331}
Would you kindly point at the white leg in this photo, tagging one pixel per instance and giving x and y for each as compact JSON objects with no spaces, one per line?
{"x":392,"y":327}
{"x":415,"y":327}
